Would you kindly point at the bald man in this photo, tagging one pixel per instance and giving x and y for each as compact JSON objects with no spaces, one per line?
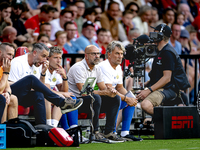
{"x":9,"y":34}
{"x":106,"y":99}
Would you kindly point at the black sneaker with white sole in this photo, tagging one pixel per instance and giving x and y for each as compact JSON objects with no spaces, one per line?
{"x":71,"y":104}
{"x":130,"y":137}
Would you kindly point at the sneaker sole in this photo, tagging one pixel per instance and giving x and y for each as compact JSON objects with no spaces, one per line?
{"x":112,"y":141}
{"x":72,"y":109}
{"x":129,"y":139}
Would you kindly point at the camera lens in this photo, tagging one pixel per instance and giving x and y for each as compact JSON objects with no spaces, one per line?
{"x":150,"y":50}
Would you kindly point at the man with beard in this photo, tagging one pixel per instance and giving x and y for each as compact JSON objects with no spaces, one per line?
{"x":22,"y":34}
{"x":7,"y":100}
{"x":106,"y":99}
{"x":25,"y":71}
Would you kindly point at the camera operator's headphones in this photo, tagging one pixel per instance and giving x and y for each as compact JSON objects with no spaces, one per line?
{"x":163,"y":30}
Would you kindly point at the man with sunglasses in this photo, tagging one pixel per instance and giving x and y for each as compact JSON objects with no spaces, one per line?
{"x":106,"y":99}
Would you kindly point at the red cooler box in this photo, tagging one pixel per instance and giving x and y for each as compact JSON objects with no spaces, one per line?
{"x":60,"y":137}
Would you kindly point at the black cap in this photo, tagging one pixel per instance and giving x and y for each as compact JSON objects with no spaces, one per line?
{"x":88,"y":23}
{"x":164,"y":29}
{"x":16,"y":2}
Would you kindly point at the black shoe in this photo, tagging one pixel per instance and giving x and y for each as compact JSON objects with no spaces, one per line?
{"x":71,"y":104}
{"x":130,"y":137}
{"x":113,"y":138}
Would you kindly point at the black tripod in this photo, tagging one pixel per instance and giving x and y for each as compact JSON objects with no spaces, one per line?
{"x":89,"y":90}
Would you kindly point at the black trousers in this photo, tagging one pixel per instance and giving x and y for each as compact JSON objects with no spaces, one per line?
{"x":102,"y":104}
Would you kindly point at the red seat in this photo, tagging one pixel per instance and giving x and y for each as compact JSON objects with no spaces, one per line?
{"x":84,"y":115}
{"x":21,"y":51}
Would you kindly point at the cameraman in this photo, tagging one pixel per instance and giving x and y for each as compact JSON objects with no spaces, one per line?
{"x":167,"y":76}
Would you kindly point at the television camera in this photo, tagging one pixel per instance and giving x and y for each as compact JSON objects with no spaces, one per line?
{"x":143,"y":48}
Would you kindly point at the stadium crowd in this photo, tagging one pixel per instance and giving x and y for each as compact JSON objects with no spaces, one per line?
{"x":50,"y":28}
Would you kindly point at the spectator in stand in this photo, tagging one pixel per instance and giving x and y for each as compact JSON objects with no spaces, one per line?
{"x":194,"y":6}
{"x":22,"y":34}
{"x":196,"y":25}
{"x":9,"y":35}
{"x":90,"y":3}
{"x":79,"y":19}
{"x":58,"y":24}
{"x":101,"y":39}
{"x":5,"y":13}
{"x":86,"y":38}
{"x":46,"y":15}
{"x":168,"y":17}
{"x":154,"y":19}
{"x":98,"y":15}
{"x":185,"y":9}
{"x":90,"y":15}
{"x":132,"y":34}
{"x":141,"y":21}
{"x":109,"y":37}
{"x":43,"y":38}
{"x":133,"y":7}
{"x":125,"y":25}
{"x":109,"y":19}
{"x":193,"y":36}
{"x":7,"y":100}
{"x":173,"y":41}
{"x":179,"y":19}
{"x":61,"y":39}
{"x":72,"y":7}
{"x":70,"y":45}
{"x":45,"y":28}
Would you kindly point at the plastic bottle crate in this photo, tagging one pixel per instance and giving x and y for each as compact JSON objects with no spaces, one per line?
{"x":2,"y":136}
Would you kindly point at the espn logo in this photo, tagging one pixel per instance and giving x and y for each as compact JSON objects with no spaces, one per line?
{"x":181,"y":122}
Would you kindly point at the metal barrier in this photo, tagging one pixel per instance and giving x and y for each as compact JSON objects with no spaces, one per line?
{"x":186,"y":57}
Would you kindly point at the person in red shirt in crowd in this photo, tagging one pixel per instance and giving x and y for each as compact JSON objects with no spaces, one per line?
{"x":102,"y":38}
{"x":46,"y":15}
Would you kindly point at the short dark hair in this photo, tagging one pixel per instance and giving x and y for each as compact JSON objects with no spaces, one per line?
{"x":41,"y":35}
{"x":65,"y":11}
{"x":89,"y":11}
{"x":79,"y":1}
{"x":130,"y":4}
{"x":127,"y":12}
{"x":47,"y":9}
{"x":4,"y":5}
{"x":68,"y":22}
{"x":4,"y":44}
{"x":167,"y":9}
{"x":112,"y":2}
{"x":101,"y":30}
{"x":39,"y":47}
{"x":45,"y":23}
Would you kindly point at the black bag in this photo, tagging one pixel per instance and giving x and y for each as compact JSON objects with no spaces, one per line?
{"x":43,"y":139}
{"x":20,"y":133}
{"x":73,"y":132}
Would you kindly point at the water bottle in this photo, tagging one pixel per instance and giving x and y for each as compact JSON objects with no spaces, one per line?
{"x":87,"y":134}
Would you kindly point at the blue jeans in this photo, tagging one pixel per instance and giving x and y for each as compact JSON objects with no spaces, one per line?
{"x":28,"y":97}
{"x":2,"y":105}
